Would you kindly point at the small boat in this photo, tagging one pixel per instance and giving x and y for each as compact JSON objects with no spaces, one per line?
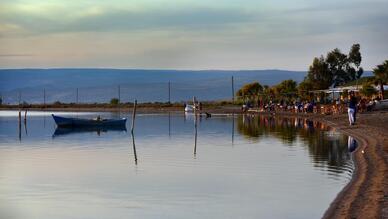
{"x":189,"y":108}
{"x":97,"y":122}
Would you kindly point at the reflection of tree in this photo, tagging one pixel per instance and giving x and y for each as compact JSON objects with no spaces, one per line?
{"x":325,"y":149}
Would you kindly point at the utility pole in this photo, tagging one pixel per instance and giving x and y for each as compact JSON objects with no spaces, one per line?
{"x":119,"y":94}
{"x":232,"y":89}
{"x":169,"y":92}
{"x":44,"y":97}
{"x":76,"y":97}
{"x":20,"y":97}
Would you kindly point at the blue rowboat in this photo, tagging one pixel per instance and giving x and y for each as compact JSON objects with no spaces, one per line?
{"x":76,"y":122}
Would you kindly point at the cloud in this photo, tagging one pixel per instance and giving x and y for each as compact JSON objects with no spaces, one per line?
{"x":97,"y":19}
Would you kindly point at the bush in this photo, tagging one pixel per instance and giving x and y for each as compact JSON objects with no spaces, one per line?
{"x":114,"y":101}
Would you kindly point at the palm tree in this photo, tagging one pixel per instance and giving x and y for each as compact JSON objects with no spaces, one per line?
{"x":381,"y":76}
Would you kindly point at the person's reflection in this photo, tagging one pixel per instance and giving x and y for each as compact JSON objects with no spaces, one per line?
{"x":352,"y":144}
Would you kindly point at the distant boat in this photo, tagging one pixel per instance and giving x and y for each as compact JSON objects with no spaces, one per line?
{"x":76,"y":122}
{"x":189,"y":108}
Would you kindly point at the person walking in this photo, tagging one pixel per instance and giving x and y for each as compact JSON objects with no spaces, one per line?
{"x":352,"y":107}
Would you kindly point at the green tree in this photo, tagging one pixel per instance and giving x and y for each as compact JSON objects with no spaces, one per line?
{"x":319,"y":75}
{"x":286,"y":88}
{"x":304,"y":89}
{"x":368,"y":90}
{"x":250,"y":91}
{"x":338,"y":65}
{"x":381,"y":76}
{"x":354,"y":59}
{"x":114,"y":101}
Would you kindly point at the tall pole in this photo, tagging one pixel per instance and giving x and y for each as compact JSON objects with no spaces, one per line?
{"x":44,"y":97}
{"x":169,"y":92}
{"x":232,"y":89}
{"x":119,"y":94}
{"x":20,"y":97}
{"x":76,"y":97}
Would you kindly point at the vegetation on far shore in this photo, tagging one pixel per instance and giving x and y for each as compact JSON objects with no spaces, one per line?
{"x":334,"y":70}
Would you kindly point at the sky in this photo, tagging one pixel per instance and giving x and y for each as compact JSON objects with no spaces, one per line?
{"x":188,"y":34}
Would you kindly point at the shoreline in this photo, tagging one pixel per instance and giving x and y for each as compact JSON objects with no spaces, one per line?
{"x":365,"y":195}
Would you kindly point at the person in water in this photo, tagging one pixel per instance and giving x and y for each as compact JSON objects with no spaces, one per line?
{"x":352,"y":108}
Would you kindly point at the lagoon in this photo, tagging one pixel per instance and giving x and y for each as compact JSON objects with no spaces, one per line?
{"x":226,"y":166}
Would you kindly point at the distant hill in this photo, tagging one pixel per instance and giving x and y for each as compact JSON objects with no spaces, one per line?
{"x":100,"y":85}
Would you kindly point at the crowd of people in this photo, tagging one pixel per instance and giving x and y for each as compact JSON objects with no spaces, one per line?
{"x":351,"y":104}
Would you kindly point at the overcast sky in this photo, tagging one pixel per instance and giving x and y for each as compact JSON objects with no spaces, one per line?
{"x":188,"y":34}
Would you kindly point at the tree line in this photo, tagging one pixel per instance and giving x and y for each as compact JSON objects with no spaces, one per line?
{"x":333,"y":70}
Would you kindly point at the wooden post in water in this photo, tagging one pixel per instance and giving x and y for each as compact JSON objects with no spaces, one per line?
{"x":133,"y":116}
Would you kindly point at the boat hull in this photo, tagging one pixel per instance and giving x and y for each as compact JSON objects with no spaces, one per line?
{"x":76,"y":122}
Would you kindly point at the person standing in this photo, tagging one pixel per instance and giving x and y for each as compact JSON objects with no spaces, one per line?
{"x":352,"y":107}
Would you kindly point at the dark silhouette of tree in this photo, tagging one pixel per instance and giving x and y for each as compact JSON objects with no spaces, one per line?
{"x":250,"y":91}
{"x":303,"y":90}
{"x":355,"y":59}
{"x":336,"y":69}
{"x":338,"y":65}
{"x":319,"y":75}
{"x":114,"y":101}
{"x":381,"y":76}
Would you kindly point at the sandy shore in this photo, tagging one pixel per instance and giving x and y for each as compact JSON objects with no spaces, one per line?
{"x":366,"y":196}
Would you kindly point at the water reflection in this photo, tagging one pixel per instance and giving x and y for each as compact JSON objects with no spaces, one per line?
{"x":352,"y":144}
{"x":325,"y":148}
{"x":60,"y":131}
{"x":134,"y":147}
{"x":272,"y":162}
{"x":195,"y":135}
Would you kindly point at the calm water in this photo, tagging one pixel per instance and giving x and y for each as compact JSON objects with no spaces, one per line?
{"x":227,"y":167}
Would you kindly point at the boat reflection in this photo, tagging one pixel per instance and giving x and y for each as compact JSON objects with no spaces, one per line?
{"x":61,"y":131}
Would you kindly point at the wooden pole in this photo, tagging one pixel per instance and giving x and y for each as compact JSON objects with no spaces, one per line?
{"x":133,"y":116}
